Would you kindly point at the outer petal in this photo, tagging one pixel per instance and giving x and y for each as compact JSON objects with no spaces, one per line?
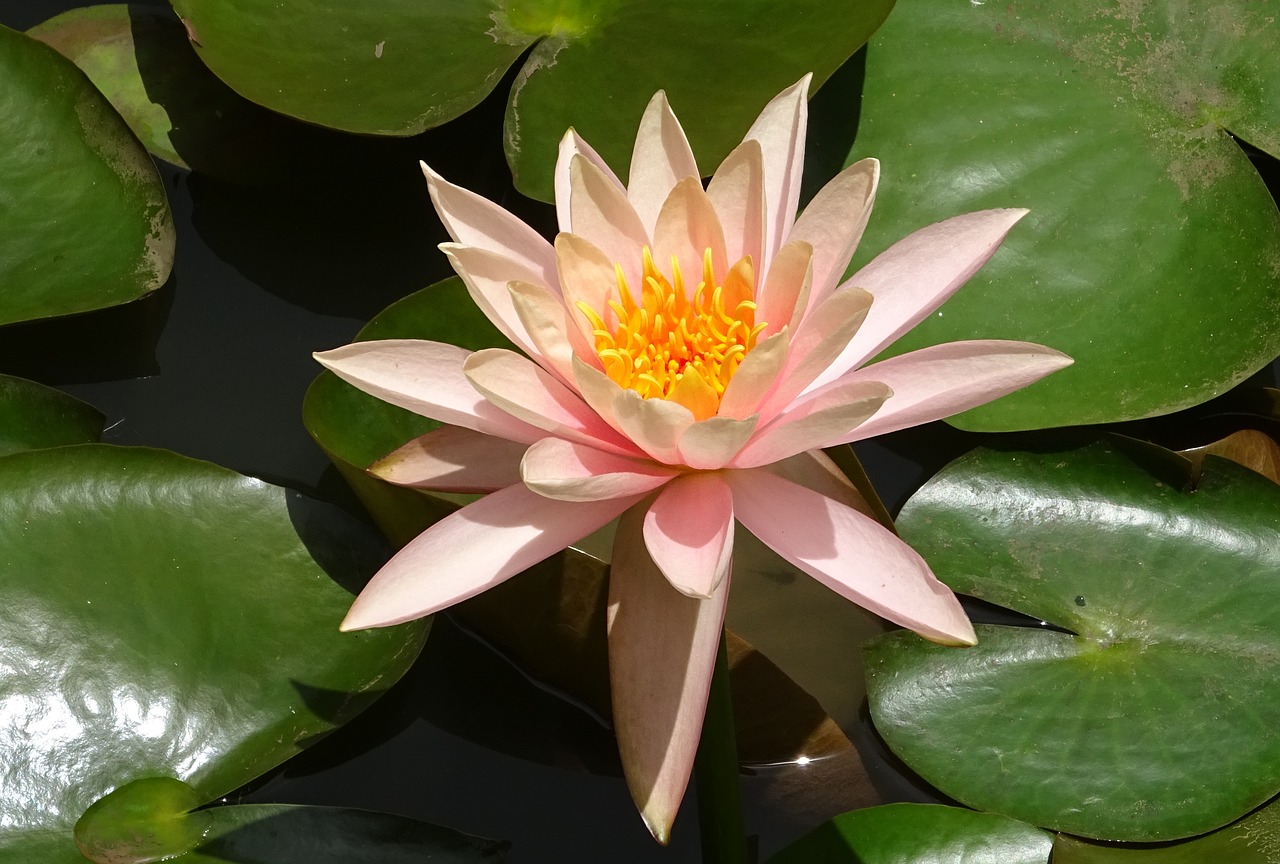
{"x":474,"y":220}
{"x":474,"y":549}
{"x":833,"y":223}
{"x":662,"y":650}
{"x":850,"y":553}
{"x":916,"y":275}
{"x":573,"y":144}
{"x":819,"y":420}
{"x":566,"y":471}
{"x":525,"y":391}
{"x":603,"y":216}
{"x":487,"y":275}
{"x":453,"y":459}
{"x":942,"y":380}
{"x":780,"y":129}
{"x":689,"y":533}
{"x":660,"y":159}
{"x":815,"y":471}
{"x":737,"y":193}
{"x":425,"y":378}
{"x":686,"y":228}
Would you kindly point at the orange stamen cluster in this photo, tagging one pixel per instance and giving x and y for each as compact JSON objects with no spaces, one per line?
{"x":678,"y":344}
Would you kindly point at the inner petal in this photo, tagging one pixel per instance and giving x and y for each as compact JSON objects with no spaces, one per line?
{"x":677,"y":339}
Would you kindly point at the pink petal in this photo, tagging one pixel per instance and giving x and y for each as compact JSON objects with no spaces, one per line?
{"x":686,"y":228}
{"x":916,"y":275}
{"x":833,"y":222}
{"x":567,"y":471}
{"x":603,"y":216}
{"x":474,"y":220}
{"x":815,"y":471}
{"x":661,"y":158}
{"x":543,"y":317}
{"x":527,"y":392}
{"x":474,"y":549}
{"x":587,"y":277}
{"x":453,"y":459}
{"x":710,"y":444}
{"x":780,"y":129}
{"x":486,"y":275}
{"x":785,"y":293}
{"x":946,"y":379}
{"x":572,"y":144}
{"x":755,"y":376}
{"x":737,"y":193}
{"x":425,"y":378}
{"x":850,"y":553}
{"x":689,"y":533}
{"x":812,"y":423}
{"x":653,"y":425}
{"x":662,"y":651}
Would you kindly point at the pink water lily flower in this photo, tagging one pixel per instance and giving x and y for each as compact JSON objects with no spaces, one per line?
{"x":687,"y":352}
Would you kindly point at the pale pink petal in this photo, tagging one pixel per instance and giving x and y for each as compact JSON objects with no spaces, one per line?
{"x":946,"y":379}
{"x":755,"y":376}
{"x":526,"y":391}
{"x":474,"y":549}
{"x":575,"y":472}
{"x":474,"y":220}
{"x":850,"y":553}
{"x":833,"y":222}
{"x":689,"y":533}
{"x":661,"y":158}
{"x":555,"y":339}
{"x":816,"y":421}
{"x":780,"y":129}
{"x":820,"y":340}
{"x":653,"y":425}
{"x":816,"y":471}
{"x":486,"y":275}
{"x":603,"y":216}
{"x":737,"y":193}
{"x":662,"y":651}
{"x":916,"y":275}
{"x":425,"y":378}
{"x":453,"y":459}
{"x":572,"y":144}
{"x":784,"y":295}
{"x":686,"y":228}
{"x":587,"y":276}
{"x":710,"y":444}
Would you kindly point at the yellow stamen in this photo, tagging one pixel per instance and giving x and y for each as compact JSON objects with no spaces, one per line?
{"x":672,"y":343}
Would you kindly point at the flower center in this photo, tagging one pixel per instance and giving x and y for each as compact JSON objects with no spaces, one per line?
{"x":674,"y":343}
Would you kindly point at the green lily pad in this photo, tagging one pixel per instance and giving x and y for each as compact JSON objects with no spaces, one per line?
{"x":1152,"y":249}
{"x":397,"y":67}
{"x":150,"y":820}
{"x":34,"y":416}
{"x":1255,"y":839}
{"x":83,"y":220}
{"x":161,"y":616}
{"x":1155,"y":716}
{"x":141,"y":60}
{"x":919,"y":834}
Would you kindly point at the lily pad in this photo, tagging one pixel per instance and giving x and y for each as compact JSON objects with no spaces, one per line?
{"x":161,"y":616}
{"x":34,"y":416}
{"x":83,"y":221}
{"x":150,"y":820}
{"x":397,"y":67}
{"x":1152,"y":251}
{"x":1151,"y":713}
{"x":141,"y":60}
{"x":919,"y":834}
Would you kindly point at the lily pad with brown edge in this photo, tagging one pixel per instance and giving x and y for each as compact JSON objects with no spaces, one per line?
{"x":140,"y":58}
{"x":919,"y":834}
{"x":154,"y":819}
{"x":161,"y":616}
{"x":1152,"y":249}
{"x":84,"y":223}
{"x":34,"y":416}
{"x":1255,"y":839}
{"x":397,"y":67}
{"x":1149,"y":712}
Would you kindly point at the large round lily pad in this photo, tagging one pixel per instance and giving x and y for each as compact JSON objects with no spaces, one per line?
{"x":161,"y":616}
{"x":1152,"y":249}
{"x":83,"y":219}
{"x":34,"y":416}
{"x":397,"y":67}
{"x":1156,"y":716}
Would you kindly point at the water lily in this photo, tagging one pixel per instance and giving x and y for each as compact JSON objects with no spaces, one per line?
{"x":687,"y":352}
